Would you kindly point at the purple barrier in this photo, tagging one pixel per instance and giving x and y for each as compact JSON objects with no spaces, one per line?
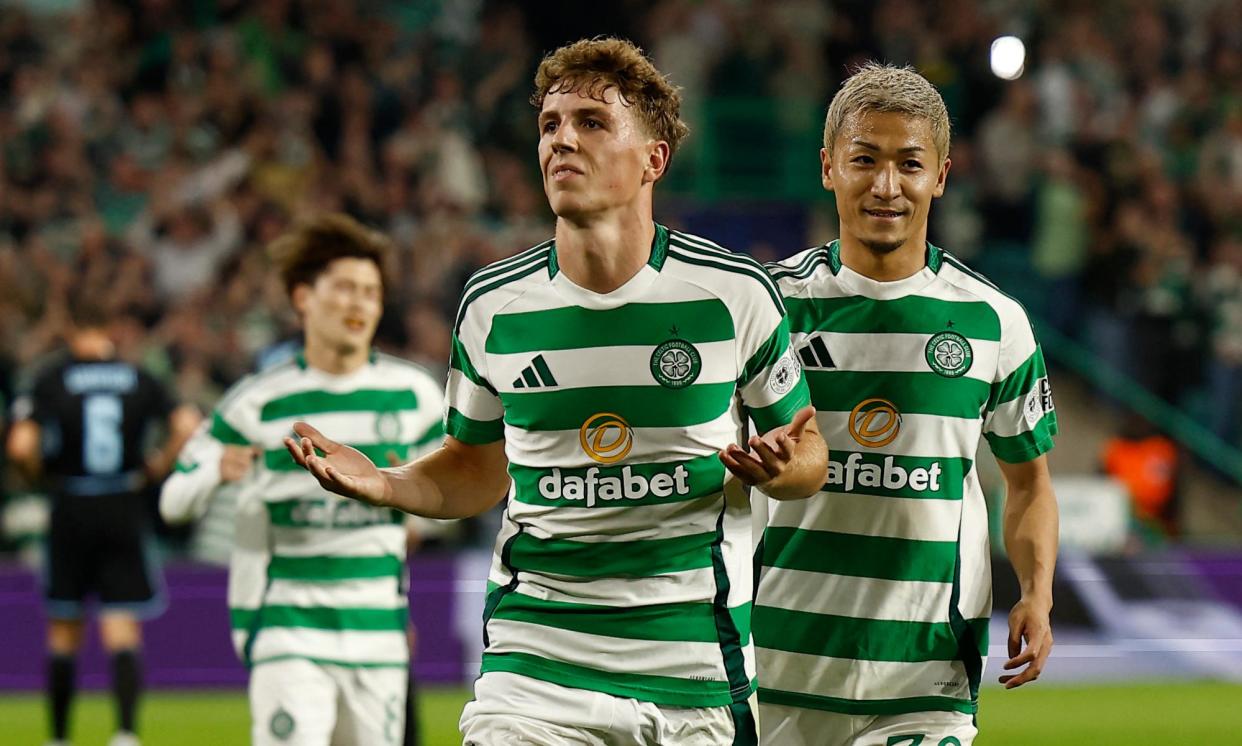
{"x":188,"y":646}
{"x":1221,"y":570}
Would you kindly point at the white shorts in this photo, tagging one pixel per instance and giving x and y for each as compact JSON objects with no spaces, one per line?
{"x":299,"y":703}
{"x":513,"y":710}
{"x":797,"y":726}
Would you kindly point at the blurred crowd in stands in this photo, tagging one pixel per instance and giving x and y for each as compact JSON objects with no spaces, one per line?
{"x":149,"y":149}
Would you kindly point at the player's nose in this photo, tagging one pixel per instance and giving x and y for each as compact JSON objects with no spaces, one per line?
{"x":886,"y":183}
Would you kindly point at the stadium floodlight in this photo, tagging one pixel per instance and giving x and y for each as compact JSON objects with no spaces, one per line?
{"x":1008,"y":57}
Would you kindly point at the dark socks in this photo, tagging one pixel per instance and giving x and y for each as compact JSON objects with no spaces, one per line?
{"x":126,"y":683}
{"x":60,"y":683}
{"x":411,"y":716}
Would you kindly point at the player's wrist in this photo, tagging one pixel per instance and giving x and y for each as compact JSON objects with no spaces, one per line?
{"x":1037,"y":600}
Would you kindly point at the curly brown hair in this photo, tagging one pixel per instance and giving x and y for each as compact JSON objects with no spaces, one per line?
{"x":591,"y":66}
{"x":305,"y":251}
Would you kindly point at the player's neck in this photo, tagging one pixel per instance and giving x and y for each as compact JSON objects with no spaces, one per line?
{"x":334,"y":360}
{"x":890,"y":266}
{"x":91,"y":346}
{"x":603,"y":254}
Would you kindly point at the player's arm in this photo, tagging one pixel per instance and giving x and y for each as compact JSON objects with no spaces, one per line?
{"x":23,"y":448}
{"x":1031,"y":530}
{"x":214,"y":455}
{"x":457,"y":480}
{"x":182,"y":422}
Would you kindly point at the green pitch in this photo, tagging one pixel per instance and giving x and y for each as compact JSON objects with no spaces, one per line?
{"x":1141,"y":715}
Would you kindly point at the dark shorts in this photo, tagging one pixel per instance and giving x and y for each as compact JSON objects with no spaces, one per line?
{"x":101,"y":546}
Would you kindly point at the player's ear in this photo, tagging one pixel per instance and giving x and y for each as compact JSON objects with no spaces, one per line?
{"x":657,"y":162}
{"x":942,"y":178}
{"x":298,"y":298}
{"x":825,"y":162}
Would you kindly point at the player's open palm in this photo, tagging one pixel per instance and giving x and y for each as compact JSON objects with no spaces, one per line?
{"x":341,"y":469}
{"x":769,"y":454}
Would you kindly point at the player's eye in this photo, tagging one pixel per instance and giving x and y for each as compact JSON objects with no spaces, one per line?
{"x":913,"y":165}
{"x":548,"y":127}
{"x":864,"y":160}
{"x":592,"y":124}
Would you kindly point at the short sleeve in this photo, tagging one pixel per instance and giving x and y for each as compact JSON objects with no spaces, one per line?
{"x":1020,"y":419}
{"x":772,"y":385}
{"x":474,"y":413}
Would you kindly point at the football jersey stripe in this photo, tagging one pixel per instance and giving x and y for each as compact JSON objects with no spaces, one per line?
{"x":222,"y":431}
{"x":639,"y":558}
{"x":498,"y":268}
{"x":883,"y":475}
{"x":887,"y":683}
{"x":1020,"y":382}
{"x":694,"y":622}
{"x":855,"y":597}
{"x":1017,"y":449}
{"x":639,"y":406}
{"x":356,"y":648}
{"x":676,"y":691}
{"x":574,"y":327}
{"x":370,"y":593}
{"x":474,"y":432}
{"x":305,"y":403}
{"x":860,"y":513}
{"x":318,"y":511}
{"x":330,"y":569}
{"x":911,"y":393}
{"x":811,"y":259}
{"x":861,"y":639}
{"x":687,"y":587}
{"x":701,"y":477}
{"x":891,"y":353}
{"x":615,"y":366}
{"x":861,"y":556}
{"x":913,"y":314}
{"x":322,"y":617}
{"x":869,"y":706}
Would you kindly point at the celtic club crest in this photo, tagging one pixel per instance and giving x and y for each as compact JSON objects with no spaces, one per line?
{"x":282,"y":724}
{"x":949,"y":354}
{"x":676,"y":364}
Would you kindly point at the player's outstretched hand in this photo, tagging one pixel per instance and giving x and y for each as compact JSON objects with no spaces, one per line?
{"x":769,"y":455}
{"x":341,"y":469}
{"x":1028,"y":622}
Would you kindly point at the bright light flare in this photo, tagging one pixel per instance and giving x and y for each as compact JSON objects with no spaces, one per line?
{"x":1008,"y":57}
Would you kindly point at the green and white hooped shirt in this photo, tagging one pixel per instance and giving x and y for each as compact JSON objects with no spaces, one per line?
{"x":875,"y":594}
{"x":624,"y":563}
{"x":313,"y":575}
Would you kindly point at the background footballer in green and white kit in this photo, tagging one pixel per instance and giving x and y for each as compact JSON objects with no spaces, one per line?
{"x":624,"y":564}
{"x":315,"y":577}
{"x":875,"y":595}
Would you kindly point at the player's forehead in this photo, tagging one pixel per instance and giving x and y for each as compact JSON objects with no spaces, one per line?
{"x":352,"y":268}
{"x":582,"y":99}
{"x":868,"y":129}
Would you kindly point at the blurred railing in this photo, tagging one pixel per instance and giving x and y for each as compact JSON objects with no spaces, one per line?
{"x":1009,"y":267}
{"x":1169,"y":419}
{"x":750,"y":148}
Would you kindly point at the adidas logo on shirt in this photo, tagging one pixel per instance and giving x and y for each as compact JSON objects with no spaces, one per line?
{"x":815,"y":354}
{"x":535,"y":375}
